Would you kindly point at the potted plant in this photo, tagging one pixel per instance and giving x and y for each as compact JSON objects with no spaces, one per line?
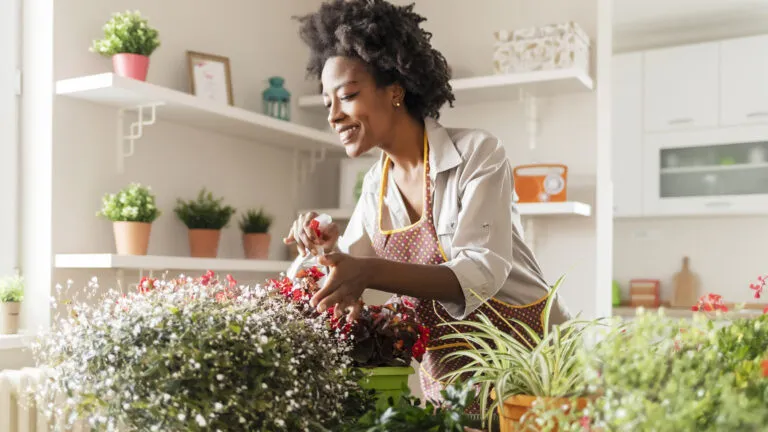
{"x":129,"y":41}
{"x":132,"y":212}
{"x":11,"y":295}
{"x":515,"y":374}
{"x":204,"y":217}
{"x":256,"y":238}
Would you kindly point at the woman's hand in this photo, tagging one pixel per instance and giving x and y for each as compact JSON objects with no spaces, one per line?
{"x":344,"y":285}
{"x":305,"y":237}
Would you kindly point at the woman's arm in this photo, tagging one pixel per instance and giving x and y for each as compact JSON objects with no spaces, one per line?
{"x":424,"y":281}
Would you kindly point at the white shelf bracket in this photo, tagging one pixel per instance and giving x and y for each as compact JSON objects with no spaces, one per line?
{"x":136,"y":131}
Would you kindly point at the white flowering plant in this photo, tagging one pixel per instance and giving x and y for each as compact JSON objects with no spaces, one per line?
{"x":127,"y":32}
{"x":199,"y":354}
{"x":134,"y":203}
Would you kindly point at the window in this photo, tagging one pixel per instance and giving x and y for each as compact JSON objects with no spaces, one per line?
{"x":10,"y":42}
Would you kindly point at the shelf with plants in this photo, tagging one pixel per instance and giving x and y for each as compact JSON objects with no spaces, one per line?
{"x":132,"y":212}
{"x":502,"y":87}
{"x":572,"y":208}
{"x":129,"y":41}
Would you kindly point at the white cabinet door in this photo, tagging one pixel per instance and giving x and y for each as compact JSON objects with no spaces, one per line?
{"x":681,"y":87}
{"x":744,"y":83}
{"x":712,"y":172}
{"x":627,"y":134}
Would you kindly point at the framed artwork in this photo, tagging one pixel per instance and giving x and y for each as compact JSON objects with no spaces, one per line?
{"x":351,"y":179}
{"x":210,"y":77}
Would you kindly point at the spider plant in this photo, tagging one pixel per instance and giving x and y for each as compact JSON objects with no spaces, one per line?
{"x":502,"y":361}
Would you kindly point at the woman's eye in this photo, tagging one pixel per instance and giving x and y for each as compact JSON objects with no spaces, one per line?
{"x":348,"y":97}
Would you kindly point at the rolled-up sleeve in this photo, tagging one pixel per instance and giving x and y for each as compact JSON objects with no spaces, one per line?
{"x":482,"y":249}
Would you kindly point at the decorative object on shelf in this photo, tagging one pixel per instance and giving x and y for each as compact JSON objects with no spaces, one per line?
{"x":555,"y":46}
{"x":254,"y":225}
{"x":537,"y":183}
{"x":351,"y":180}
{"x":686,"y":285}
{"x":644,"y":292}
{"x":204,"y":217}
{"x":276,"y":99}
{"x":11,"y":296}
{"x":616,"y":294}
{"x":210,"y":77}
{"x":758,"y":155}
{"x":132,"y":212}
{"x":129,"y":41}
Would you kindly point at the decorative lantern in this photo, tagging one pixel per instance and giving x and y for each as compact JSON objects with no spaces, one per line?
{"x":277,"y":99}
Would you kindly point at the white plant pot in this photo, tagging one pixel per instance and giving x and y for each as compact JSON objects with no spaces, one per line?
{"x":9,"y":316}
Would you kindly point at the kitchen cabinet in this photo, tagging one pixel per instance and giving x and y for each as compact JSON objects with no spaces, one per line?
{"x":627,"y":134}
{"x":712,"y":172}
{"x":681,"y":87}
{"x":744,"y":83}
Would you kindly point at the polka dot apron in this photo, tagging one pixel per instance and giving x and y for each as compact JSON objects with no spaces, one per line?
{"x":419,"y":244}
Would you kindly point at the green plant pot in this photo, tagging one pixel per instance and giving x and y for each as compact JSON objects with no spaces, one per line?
{"x":388,"y":382}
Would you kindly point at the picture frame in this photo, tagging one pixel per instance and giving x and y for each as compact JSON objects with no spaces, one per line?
{"x":210,"y":77}
{"x":351,"y":179}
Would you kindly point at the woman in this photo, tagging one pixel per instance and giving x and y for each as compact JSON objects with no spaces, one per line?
{"x":436,"y":220}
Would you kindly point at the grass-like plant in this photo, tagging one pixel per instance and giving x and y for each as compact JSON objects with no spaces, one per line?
{"x":502,"y":361}
{"x":255,"y":221}
{"x":11,"y":289}
{"x":205,"y":212}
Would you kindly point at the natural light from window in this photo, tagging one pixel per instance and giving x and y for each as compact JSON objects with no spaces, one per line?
{"x":9,"y":143}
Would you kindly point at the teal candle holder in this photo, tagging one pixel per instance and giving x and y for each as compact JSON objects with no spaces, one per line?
{"x":277,"y":100}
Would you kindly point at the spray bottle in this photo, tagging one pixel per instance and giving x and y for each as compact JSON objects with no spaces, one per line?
{"x":319,"y":224}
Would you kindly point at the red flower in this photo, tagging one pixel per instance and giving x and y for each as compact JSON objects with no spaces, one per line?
{"x":764,"y":365}
{"x":297,"y":295}
{"x":206,"y":278}
{"x":418,"y":350}
{"x":709,"y":303}
{"x":759,"y":285}
{"x":585,"y":423}
{"x":147,"y":284}
{"x":765,"y":311}
{"x":232,"y":281}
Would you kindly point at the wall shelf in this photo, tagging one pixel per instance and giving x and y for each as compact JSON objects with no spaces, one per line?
{"x":574,"y":208}
{"x":496,"y":88}
{"x":187,"y":109}
{"x":156,"y":262}
{"x":14,"y":341}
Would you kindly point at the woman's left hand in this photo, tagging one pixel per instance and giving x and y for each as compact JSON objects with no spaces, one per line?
{"x":344,"y":286}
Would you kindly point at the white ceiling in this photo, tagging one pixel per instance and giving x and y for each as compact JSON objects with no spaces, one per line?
{"x":640,"y":24}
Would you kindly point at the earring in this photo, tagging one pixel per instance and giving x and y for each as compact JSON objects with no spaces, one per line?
{"x":397,"y":104}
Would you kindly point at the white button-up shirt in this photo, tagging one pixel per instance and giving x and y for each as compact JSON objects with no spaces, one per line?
{"x":475,"y":217}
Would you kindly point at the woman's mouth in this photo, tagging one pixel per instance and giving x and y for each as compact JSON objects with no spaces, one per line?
{"x":348,"y":134}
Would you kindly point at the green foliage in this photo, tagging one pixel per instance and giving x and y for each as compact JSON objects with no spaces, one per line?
{"x":11,"y":289}
{"x":135,"y":203}
{"x":656,"y":373}
{"x":501,"y":361}
{"x":206,"y":212}
{"x":255,"y":221}
{"x":407,"y":414}
{"x":127,"y":32}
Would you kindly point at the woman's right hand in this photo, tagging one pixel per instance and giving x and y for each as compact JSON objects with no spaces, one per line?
{"x":306,"y":239}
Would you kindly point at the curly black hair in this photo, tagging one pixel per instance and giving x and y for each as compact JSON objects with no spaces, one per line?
{"x":389,"y":40}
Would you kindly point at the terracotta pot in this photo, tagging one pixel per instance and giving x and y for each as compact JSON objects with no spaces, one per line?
{"x":515,"y":407}
{"x":131,"y":65}
{"x":204,"y":243}
{"x":9,"y":317}
{"x":256,"y":245}
{"x":131,"y":238}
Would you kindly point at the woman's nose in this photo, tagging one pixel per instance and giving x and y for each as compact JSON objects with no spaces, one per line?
{"x":334,"y":112}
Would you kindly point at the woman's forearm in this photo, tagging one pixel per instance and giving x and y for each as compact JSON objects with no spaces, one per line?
{"x":434,"y":282}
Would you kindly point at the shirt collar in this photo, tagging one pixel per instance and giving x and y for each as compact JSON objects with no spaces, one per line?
{"x":442,"y":151}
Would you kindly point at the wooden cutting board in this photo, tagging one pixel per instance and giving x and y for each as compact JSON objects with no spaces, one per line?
{"x":686,"y":286}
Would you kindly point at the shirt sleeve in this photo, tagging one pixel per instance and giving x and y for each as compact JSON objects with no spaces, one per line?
{"x":356,"y":241}
{"x":482,"y":250}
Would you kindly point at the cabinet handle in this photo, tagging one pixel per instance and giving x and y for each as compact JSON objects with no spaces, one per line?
{"x":718,"y":204}
{"x":680,"y":121}
{"x":757,"y":114}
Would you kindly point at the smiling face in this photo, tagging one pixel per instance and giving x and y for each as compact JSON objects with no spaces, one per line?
{"x":362,"y":113}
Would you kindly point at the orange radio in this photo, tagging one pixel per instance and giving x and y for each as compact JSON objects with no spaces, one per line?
{"x":541,"y":183}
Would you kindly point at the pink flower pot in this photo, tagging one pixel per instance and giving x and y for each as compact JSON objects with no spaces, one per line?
{"x":131,"y":65}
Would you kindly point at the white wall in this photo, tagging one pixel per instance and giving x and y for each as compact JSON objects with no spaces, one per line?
{"x":260,"y":40}
{"x":727,"y":253}
{"x":568,"y":131}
